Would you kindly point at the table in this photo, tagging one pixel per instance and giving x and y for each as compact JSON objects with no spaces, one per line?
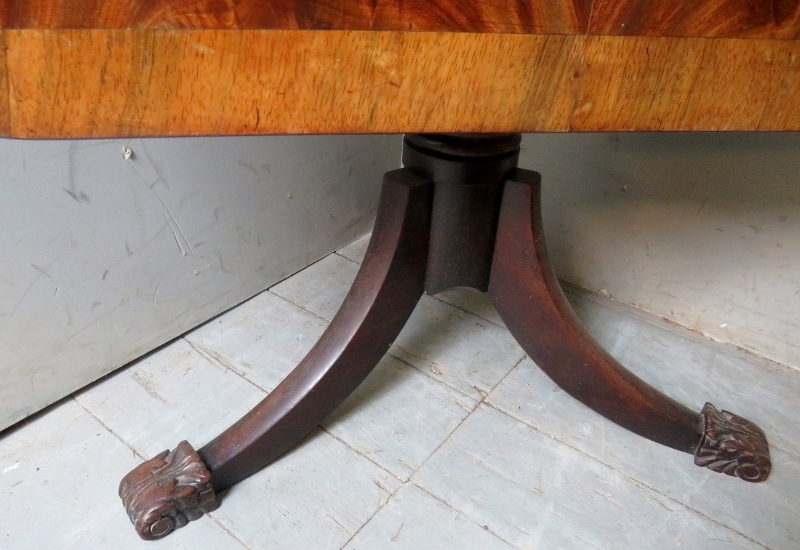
{"x":462,"y":80}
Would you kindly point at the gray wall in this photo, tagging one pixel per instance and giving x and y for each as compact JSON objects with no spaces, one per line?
{"x":103,"y":259}
{"x":701,"y":229}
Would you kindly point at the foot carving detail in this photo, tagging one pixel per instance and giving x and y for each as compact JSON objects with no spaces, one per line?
{"x":733,"y":445}
{"x":167,"y":492}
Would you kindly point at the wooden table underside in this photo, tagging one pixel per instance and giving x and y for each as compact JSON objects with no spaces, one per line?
{"x":92,"y":68}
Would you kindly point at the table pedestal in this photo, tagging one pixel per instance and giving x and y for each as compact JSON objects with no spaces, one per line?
{"x":459,"y":214}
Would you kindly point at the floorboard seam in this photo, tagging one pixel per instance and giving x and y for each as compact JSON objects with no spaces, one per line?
{"x":436,"y":497}
{"x":213,"y":358}
{"x":381,"y":507}
{"x":435,"y":297}
{"x":627,"y":476}
{"x":231,"y":533}
{"x":475,"y":408}
{"x":390,"y":354}
{"x":359,"y":453}
{"x":346,"y":258}
{"x":442,"y":382}
{"x":108,"y":429}
{"x":137,"y":454}
{"x":409,"y":480}
{"x":285,"y":299}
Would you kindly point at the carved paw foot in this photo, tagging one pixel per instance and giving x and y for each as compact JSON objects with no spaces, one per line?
{"x":733,"y":445}
{"x":167,"y":492}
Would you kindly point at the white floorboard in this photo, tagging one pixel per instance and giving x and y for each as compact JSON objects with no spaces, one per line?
{"x":536,"y":492}
{"x":413,"y":520}
{"x":456,"y":440}
{"x":58,"y":489}
{"x":398,"y":417}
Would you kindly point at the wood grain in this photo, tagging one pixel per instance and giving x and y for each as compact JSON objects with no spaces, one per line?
{"x":111,"y":83}
{"x":528,"y":297}
{"x":699,"y":18}
{"x":524,"y":16}
{"x":709,"y":18}
{"x":638,"y":83}
{"x":107,"y":83}
{"x":5,"y":117}
{"x":386,"y":290}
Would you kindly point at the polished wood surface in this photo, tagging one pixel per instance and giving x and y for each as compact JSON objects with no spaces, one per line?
{"x":386,"y":290}
{"x":5,"y":114}
{"x":778,"y":19}
{"x":524,"y":16}
{"x":90,"y":69}
{"x":528,"y":297}
{"x":699,"y":18}
{"x":107,"y":83}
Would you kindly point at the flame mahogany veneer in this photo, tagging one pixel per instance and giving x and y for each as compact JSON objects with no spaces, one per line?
{"x":699,"y":18}
{"x":105,"y":68}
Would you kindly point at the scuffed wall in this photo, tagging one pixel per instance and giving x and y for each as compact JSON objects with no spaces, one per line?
{"x":103,"y":257}
{"x":702,"y":229}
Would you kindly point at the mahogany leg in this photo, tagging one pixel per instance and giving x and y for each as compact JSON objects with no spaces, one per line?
{"x":528,"y":297}
{"x":457,"y":223}
{"x":164,"y":493}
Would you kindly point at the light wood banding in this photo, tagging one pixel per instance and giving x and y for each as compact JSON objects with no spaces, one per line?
{"x":106,"y":83}
{"x":5,"y":115}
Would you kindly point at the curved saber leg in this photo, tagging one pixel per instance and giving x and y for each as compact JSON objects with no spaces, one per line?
{"x":386,"y":290}
{"x":528,"y":297}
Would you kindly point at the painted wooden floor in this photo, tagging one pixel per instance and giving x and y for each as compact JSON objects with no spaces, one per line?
{"x":455,"y":441}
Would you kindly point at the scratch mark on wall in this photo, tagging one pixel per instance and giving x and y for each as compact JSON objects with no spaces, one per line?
{"x":201,"y":269}
{"x":40,"y":270}
{"x":245,"y":165}
{"x":79,"y":196}
{"x":73,"y":190}
{"x":177,"y":232}
{"x":222,"y":266}
{"x":170,"y":221}
{"x":155,"y":295}
{"x":155,"y":168}
{"x":182,"y":234}
{"x":217,"y":212}
{"x":97,"y":319}
{"x":105,"y":274}
{"x":30,"y":286}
